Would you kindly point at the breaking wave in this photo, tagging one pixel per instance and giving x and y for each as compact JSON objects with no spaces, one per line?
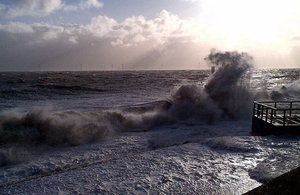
{"x":225,"y":96}
{"x":71,"y":127}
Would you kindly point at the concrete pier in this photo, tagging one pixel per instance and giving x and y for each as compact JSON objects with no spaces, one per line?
{"x":288,"y":183}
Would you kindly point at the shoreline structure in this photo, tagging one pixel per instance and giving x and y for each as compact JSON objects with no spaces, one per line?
{"x":287,"y":183}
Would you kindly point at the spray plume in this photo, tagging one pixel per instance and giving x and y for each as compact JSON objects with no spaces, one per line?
{"x":224,"y":96}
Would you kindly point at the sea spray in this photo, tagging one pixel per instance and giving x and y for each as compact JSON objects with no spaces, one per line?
{"x":192,"y":103}
{"x":224,"y":96}
{"x":228,"y":86}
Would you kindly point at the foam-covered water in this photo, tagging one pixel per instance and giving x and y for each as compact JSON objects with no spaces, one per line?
{"x":115,"y":117}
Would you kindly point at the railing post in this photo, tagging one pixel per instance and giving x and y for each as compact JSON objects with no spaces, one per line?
{"x":284,"y":113}
{"x":259,"y":108}
{"x":253,"y":113}
{"x":272,"y":116}
{"x":262,"y":112}
{"x":267,"y":110}
{"x":291,"y":106}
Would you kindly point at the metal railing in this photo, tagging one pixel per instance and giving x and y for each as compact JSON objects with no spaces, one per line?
{"x":283,"y":113}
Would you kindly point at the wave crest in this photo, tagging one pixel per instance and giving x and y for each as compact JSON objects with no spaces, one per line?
{"x":224,"y":96}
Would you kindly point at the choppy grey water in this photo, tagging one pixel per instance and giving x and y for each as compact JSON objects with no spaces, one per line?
{"x":164,"y":114}
{"x":94,"y":90}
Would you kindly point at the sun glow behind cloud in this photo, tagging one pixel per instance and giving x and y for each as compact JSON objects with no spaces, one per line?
{"x":264,"y":22}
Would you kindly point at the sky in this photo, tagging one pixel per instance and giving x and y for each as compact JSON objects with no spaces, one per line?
{"x":58,"y":35}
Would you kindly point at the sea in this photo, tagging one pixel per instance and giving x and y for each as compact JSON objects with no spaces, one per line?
{"x":141,"y":132}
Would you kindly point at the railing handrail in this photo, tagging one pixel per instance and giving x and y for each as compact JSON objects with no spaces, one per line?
{"x":262,"y":103}
{"x":265,"y":105}
{"x":271,"y":114}
{"x":296,"y":101}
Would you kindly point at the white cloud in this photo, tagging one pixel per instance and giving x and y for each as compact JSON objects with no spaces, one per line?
{"x":135,"y":30}
{"x":133,"y":41}
{"x":90,"y":3}
{"x":137,"y":42}
{"x":44,"y":7}
{"x":33,"y":7}
{"x":52,"y":33}
{"x":16,"y":28}
{"x":73,"y":39}
{"x":101,"y":26}
{"x":131,"y":31}
{"x":83,"y":4}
